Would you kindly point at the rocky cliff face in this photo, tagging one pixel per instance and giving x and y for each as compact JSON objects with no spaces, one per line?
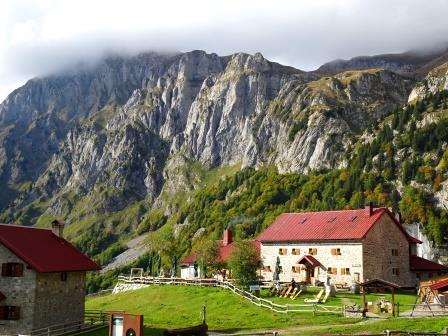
{"x":121,"y":129}
{"x":436,"y":80}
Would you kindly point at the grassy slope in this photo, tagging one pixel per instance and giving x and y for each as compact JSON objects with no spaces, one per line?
{"x":172,"y":307}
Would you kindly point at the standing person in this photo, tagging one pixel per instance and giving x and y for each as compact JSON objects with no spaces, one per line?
{"x":293,"y":283}
{"x":277,"y":286}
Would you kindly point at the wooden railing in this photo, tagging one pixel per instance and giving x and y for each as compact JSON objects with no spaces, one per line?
{"x":93,"y":319}
{"x":315,"y":308}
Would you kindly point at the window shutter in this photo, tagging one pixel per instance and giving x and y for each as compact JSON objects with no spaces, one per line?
{"x":333,"y":251}
{"x":18,"y":270}
{"x":314,"y":251}
{"x":16,"y":314}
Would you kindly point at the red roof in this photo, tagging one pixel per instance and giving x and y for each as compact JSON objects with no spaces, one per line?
{"x":224,"y":252}
{"x":326,"y":225}
{"x":439,"y":285}
{"x":310,"y":259}
{"x":421,"y":264}
{"x":189,"y":260}
{"x":43,"y":250}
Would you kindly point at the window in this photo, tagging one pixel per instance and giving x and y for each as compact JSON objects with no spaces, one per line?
{"x":9,"y":313}
{"x":280,"y":268}
{"x":282,"y":251}
{"x":345,"y":271}
{"x":312,"y":251}
{"x":332,"y":270}
{"x":267,"y":268}
{"x":295,"y":269}
{"x":64,"y":276}
{"x":395,"y":252}
{"x":395,"y":271}
{"x":295,"y":251}
{"x":336,"y":251}
{"x":12,"y":269}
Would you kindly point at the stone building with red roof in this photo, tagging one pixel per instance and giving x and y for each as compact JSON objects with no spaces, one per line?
{"x":43,"y":278}
{"x":345,"y":246}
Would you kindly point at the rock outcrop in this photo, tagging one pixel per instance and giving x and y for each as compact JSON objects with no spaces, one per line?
{"x":119,"y":130}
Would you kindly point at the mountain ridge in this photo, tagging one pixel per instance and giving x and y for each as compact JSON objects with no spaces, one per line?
{"x":121,"y":147}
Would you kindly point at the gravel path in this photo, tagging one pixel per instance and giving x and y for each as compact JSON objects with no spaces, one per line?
{"x":136,"y":248}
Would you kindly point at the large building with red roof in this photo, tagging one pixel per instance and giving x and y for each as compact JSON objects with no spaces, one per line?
{"x":345,"y":246}
{"x":43,"y":279}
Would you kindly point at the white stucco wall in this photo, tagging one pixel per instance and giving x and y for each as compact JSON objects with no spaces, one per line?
{"x":351,"y":257}
{"x":187,"y":272}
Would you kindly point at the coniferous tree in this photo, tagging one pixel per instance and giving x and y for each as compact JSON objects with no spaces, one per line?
{"x":395,"y":120}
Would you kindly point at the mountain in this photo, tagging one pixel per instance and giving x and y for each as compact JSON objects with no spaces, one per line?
{"x":411,"y":63}
{"x":161,"y":143}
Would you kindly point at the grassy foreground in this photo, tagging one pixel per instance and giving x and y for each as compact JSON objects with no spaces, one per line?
{"x":180,"y":306}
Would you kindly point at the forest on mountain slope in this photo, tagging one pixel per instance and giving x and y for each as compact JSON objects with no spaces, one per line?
{"x":400,"y":162}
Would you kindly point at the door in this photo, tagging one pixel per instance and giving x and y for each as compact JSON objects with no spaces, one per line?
{"x":308,"y":274}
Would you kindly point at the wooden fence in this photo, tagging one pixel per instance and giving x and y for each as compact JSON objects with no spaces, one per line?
{"x":315,"y":308}
{"x":93,"y":319}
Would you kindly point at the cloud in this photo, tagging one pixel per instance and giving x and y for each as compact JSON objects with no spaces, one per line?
{"x":39,"y":37}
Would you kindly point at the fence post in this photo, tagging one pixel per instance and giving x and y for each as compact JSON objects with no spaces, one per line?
{"x":314,"y":309}
{"x":398,"y":309}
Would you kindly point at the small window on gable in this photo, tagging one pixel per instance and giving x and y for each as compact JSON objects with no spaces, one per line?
{"x":12,"y":269}
{"x":303,"y":220}
{"x":63,"y":276}
{"x":295,"y":251}
{"x":331,"y":219}
{"x":352,"y":218}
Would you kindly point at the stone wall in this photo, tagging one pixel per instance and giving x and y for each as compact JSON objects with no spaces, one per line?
{"x":19,"y":291}
{"x":351,"y":258}
{"x":378,"y":258}
{"x":59,"y":301}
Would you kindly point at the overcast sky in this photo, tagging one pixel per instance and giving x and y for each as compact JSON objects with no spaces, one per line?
{"x":38,"y":37}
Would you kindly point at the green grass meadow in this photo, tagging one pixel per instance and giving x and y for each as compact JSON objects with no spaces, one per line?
{"x":180,"y":306}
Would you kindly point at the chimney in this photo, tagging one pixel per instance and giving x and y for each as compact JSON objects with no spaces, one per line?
{"x":227,"y":237}
{"x":369,"y":209}
{"x":57,"y":227}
